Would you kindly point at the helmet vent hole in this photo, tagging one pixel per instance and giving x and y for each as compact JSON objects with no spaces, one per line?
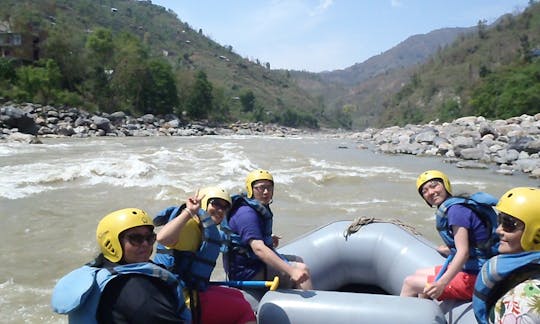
{"x":109,"y":246}
{"x":536,"y":239}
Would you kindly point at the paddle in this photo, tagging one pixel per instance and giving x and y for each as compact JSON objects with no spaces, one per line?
{"x":444,"y":266}
{"x":443,"y":269}
{"x":272,"y":285}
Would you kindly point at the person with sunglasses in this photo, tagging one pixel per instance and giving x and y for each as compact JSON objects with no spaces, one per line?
{"x":189,"y":245}
{"x":122,"y":285}
{"x":508,"y":287}
{"x":251,"y":253}
{"x":467,"y":226}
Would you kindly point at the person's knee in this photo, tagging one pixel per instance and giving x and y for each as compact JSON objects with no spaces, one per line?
{"x":303,"y":266}
{"x":407,"y":281}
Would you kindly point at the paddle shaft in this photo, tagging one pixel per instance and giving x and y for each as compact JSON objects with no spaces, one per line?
{"x":444,"y":267}
{"x":249,"y":283}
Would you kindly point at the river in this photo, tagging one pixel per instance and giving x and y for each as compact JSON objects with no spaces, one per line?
{"x":52,"y":195}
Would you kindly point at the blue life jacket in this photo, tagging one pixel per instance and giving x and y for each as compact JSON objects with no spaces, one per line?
{"x":77,"y":294}
{"x":482,"y":205}
{"x":234,"y":242}
{"x":194,"y":268}
{"x":500,"y":274}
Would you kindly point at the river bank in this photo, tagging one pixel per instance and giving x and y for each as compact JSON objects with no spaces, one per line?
{"x":513,"y":145}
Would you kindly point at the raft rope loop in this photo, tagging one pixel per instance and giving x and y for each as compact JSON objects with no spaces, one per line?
{"x":361,"y":221}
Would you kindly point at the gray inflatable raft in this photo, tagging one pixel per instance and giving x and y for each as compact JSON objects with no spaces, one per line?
{"x":358,"y":279}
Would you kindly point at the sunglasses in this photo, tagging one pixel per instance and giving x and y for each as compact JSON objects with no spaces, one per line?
{"x":509,"y":224}
{"x":219,"y":204}
{"x":138,"y":239}
{"x":262,"y":188}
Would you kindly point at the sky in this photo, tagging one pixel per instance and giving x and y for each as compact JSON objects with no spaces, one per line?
{"x":326,"y":35}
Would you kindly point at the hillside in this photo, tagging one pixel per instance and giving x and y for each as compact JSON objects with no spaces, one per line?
{"x":240,"y":89}
{"x":414,"y":50}
{"x":355,"y":94}
{"x":445,"y":74}
{"x":137,"y":57}
{"x":493,"y":72}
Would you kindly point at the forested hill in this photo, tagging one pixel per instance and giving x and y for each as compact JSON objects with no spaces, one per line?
{"x":137,"y":57}
{"x":492,"y":71}
{"x":134,"y":56}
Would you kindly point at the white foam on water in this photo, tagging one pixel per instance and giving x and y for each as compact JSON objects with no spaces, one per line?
{"x":17,"y":309}
{"x":354,"y":170}
{"x":7,"y":151}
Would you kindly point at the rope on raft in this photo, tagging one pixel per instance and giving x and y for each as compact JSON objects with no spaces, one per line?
{"x":361,"y":221}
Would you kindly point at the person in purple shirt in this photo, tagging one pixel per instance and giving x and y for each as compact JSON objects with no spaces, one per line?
{"x":463,"y":231}
{"x":251,"y":254}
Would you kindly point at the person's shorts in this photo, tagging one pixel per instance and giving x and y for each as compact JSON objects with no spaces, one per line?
{"x":461,"y":287}
{"x":224,"y":305}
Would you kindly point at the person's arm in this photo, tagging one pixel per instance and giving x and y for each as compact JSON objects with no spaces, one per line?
{"x":270,"y":258}
{"x":170,"y":232}
{"x":443,"y":250}
{"x":461,"y":239}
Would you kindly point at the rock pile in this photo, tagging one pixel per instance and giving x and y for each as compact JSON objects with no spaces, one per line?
{"x":47,"y":121}
{"x":471,"y":142}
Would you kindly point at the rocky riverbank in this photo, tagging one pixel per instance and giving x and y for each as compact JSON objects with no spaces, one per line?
{"x":513,"y":145}
{"x":47,"y":121}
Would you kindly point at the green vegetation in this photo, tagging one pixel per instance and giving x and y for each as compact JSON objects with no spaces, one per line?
{"x":510,"y":92}
{"x":136,"y":57}
{"x":494,"y":73}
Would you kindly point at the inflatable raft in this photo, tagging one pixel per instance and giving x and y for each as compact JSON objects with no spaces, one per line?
{"x":357,"y":277}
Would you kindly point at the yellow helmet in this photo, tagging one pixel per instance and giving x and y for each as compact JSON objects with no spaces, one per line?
{"x":430,"y":175}
{"x":111,"y":226}
{"x":522,"y":203}
{"x":255,"y":176}
{"x":213,"y":192}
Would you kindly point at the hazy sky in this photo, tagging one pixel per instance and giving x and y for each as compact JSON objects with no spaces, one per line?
{"x":318,"y":35}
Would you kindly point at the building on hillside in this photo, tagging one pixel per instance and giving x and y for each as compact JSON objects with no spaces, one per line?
{"x":23,"y":46}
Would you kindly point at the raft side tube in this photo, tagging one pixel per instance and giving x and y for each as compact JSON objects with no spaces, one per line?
{"x":380,"y":254}
{"x":295,"y":306}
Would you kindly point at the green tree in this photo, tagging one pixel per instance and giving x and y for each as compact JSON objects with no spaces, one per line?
{"x":130,"y":74}
{"x":200,"y":100}
{"x":100,"y":51}
{"x":512,"y":92}
{"x":7,"y":69}
{"x":159,"y":94}
{"x":247,"y":99}
{"x":39,"y":82}
{"x":65,"y":47}
{"x":482,"y":28}
{"x":221,"y":105}
{"x":450,"y":110}
{"x":101,"y":46}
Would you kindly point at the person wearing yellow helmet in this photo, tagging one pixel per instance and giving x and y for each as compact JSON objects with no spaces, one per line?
{"x":466,"y":225}
{"x":121,"y":285}
{"x":189,"y":245}
{"x":251,"y":254}
{"x":508,"y":290}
